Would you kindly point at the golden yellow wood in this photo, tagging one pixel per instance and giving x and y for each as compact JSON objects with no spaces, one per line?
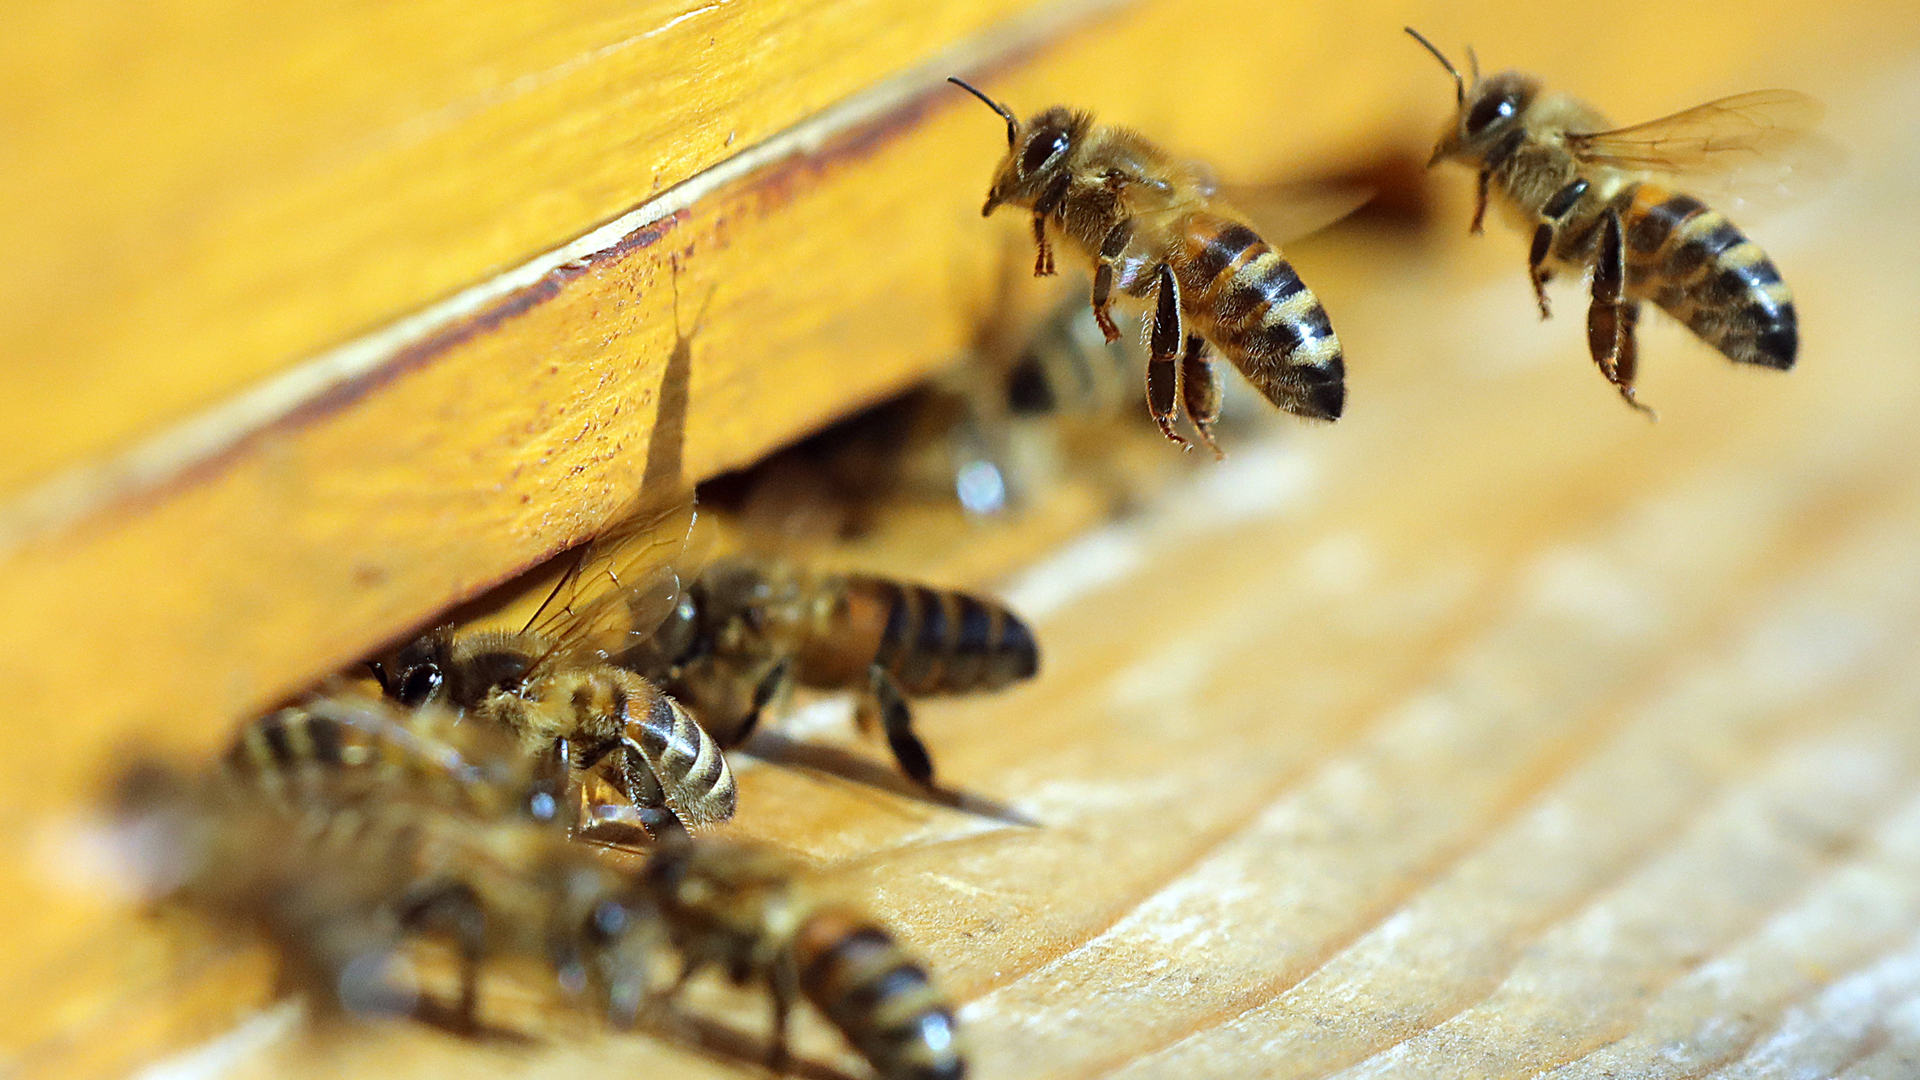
{"x":1499,"y":731}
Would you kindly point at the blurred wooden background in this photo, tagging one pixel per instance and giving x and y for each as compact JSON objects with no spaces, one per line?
{"x":1490,"y":732}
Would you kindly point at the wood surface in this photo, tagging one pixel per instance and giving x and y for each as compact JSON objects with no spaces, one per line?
{"x":1491,"y":732}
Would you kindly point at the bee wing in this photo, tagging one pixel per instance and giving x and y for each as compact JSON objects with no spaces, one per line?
{"x":1283,"y":213}
{"x":1759,"y":146}
{"x":621,"y":586}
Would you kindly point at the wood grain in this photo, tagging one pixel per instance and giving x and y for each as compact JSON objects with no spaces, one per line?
{"x":1492,"y":732}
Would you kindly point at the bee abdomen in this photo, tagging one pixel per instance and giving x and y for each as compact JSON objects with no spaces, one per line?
{"x":879,"y":997}
{"x":690,"y":767}
{"x":1262,"y":316}
{"x":1702,"y":270}
{"x":290,"y":752}
{"x":940,"y":642}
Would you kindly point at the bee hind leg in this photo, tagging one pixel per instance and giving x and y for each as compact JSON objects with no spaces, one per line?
{"x":1611,"y":320}
{"x":1165,"y":336}
{"x":896,"y":721}
{"x":1201,"y":391}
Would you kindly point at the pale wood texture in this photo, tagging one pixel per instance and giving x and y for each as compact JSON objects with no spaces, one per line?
{"x":1490,"y":732}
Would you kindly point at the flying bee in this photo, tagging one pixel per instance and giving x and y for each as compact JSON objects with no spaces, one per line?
{"x":754,"y":914}
{"x":1588,"y":191}
{"x":1157,"y":230}
{"x":746,"y":629}
{"x":550,"y":684}
{"x":343,"y":891}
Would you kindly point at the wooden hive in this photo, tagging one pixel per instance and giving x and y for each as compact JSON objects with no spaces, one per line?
{"x":1490,"y":732}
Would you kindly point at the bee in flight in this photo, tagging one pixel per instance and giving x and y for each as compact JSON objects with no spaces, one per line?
{"x":632,"y":755}
{"x":757,"y":916}
{"x":1588,"y":190}
{"x":748,"y":628}
{"x":1156,"y":229}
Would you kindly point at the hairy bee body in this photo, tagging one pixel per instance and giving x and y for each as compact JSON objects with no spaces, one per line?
{"x":1156,"y":229}
{"x":750,"y":912}
{"x":746,"y":628}
{"x":343,"y":888}
{"x":932,"y":641}
{"x":340,"y":745}
{"x":1588,"y":193}
{"x":596,"y":717}
{"x":1691,"y":261}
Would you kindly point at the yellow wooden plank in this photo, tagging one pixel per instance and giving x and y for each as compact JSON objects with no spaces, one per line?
{"x":1490,"y":622}
{"x":198,"y":194}
{"x":1491,"y":732}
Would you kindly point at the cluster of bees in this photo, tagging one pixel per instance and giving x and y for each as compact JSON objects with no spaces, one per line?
{"x":471,"y":791}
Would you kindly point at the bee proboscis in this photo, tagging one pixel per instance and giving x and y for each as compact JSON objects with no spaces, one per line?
{"x":1156,"y":229}
{"x":1592,"y":195}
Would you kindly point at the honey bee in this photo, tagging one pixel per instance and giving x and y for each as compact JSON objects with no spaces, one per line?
{"x":551,"y":685}
{"x":1156,"y":229}
{"x":343,"y":890}
{"x":747,"y":628}
{"x":340,"y":745}
{"x":1587,"y":190}
{"x":753,"y":913}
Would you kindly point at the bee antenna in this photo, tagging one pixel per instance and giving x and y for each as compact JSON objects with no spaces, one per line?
{"x":1473,"y":63}
{"x":1013,"y":122}
{"x":1459,"y":84}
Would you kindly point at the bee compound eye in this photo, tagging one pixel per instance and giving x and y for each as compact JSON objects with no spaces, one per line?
{"x":418,"y":684}
{"x":1042,"y":149}
{"x":1488,"y":111}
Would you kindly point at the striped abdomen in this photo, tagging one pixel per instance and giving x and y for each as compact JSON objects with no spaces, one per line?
{"x":684,"y":768}
{"x":332,"y":747}
{"x":932,"y":641}
{"x":1246,"y":299}
{"x":1700,"y":269}
{"x":878,"y":996}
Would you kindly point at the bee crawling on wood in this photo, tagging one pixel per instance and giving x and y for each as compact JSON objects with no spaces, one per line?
{"x":1156,"y":229}
{"x":1589,"y":193}
{"x":631,"y":749}
{"x":755,"y":915}
{"x":748,"y":628}
{"x":343,"y":889}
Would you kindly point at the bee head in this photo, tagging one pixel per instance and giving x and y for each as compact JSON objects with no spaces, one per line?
{"x":1487,"y":108}
{"x":1036,"y":151}
{"x":417,"y":673}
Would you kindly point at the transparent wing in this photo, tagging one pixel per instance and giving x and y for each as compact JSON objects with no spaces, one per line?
{"x":621,"y":586}
{"x":1285,"y":212}
{"x":1740,"y":135}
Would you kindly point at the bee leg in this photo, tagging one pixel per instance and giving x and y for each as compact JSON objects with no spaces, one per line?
{"x":455,"y":909}
{"x":896,"y":720}
{"x":1609,"y":326}
{"x":784,"y":985}
{"x":1537,"y":267}
{"x":1480,"y":202}
{"x":1110,"y":249}
{"x":771,"y":685}
{"x":1555,"y":212}
{"x":1043,"y":208}
{"x":1164,"y":338}
{"x":1201,"y":391}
